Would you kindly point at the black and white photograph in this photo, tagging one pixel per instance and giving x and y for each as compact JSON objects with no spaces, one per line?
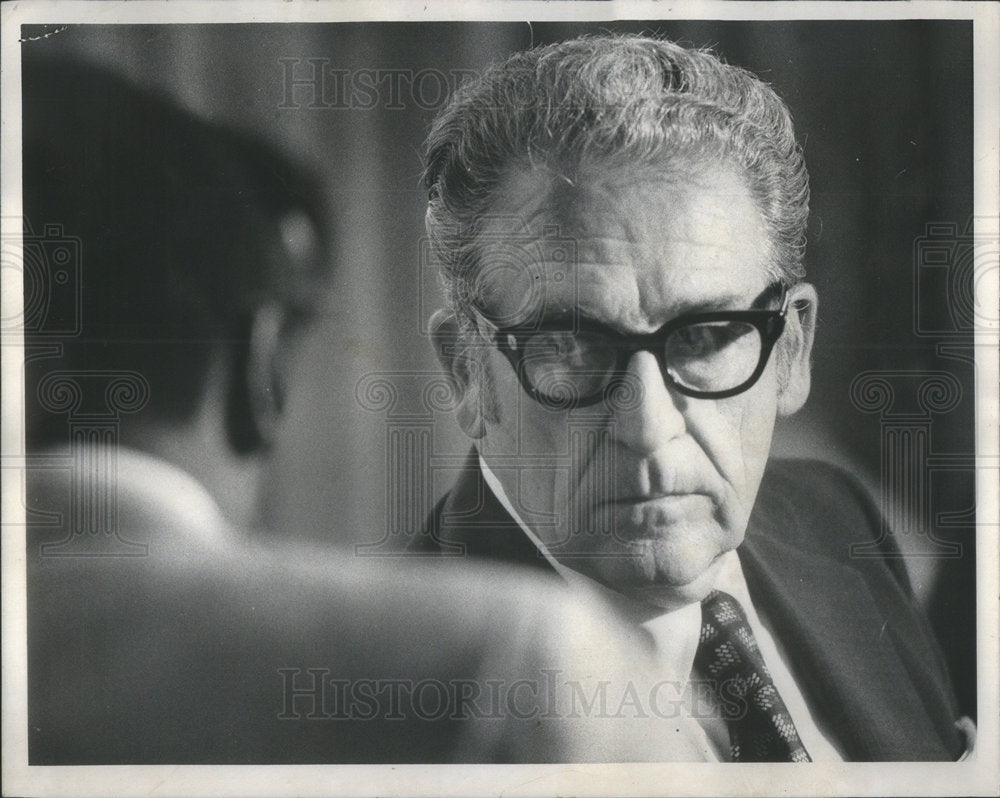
{"x":524,"y":398}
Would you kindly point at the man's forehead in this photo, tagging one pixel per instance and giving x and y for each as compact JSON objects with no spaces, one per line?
{"x":628,"y":250}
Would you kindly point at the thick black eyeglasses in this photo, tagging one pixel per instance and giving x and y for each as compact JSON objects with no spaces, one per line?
{"x":703,"y":355}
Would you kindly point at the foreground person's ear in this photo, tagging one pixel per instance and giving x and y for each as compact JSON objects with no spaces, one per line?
{"x":267,"y":370}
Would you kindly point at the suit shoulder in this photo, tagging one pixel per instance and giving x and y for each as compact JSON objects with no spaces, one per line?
{"x":803,"y":489}
{"x":824,"y":508}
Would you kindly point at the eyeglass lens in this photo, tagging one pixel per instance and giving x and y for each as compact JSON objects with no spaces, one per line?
{"x":706,"y":356}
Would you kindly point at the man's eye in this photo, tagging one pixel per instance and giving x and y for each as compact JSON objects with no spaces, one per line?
{"x":556,"y":344}
{"x":700,"y":340}
{"x":577,"y":350}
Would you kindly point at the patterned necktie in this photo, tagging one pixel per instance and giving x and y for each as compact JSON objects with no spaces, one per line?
{"x":760,"y":728}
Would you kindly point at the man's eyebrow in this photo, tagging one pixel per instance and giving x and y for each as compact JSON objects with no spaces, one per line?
{"x":734,"y":302}
{"x":731,"y":302}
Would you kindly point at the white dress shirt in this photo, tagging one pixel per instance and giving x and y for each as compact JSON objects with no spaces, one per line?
{"x":676,"y":634}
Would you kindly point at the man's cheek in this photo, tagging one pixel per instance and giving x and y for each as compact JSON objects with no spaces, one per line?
{"x":724,"y":433}
{"x":742,"y":435}
{"x":504,"y":425}
{"x":720,"y":427}
{"x":755,"y":435}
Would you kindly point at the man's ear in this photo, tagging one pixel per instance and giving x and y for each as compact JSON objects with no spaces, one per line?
{"x":800,"y":329}
{"x":267,"y":370}
{"x":455,"y":359}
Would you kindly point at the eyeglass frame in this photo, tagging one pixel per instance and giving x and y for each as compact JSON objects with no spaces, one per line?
{"x":770,"y":324}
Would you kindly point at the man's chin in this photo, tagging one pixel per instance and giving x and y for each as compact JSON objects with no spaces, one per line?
{"x":671,"y":587}
{"x":671,"y":596}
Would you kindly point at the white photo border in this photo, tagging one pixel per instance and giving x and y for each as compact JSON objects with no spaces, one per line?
{"x":980,"y":775}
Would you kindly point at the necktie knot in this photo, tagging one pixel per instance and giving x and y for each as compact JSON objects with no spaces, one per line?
{"x":760,"y":727}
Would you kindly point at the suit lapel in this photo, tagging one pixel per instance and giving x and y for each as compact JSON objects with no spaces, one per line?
{"x":841,"y":650}
{"x":472,"y":522}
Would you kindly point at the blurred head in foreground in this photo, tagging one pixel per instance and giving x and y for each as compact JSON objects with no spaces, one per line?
{"x":173,"y":255}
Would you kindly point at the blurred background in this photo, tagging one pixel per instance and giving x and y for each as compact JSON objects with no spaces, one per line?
{"x":884,"y":113}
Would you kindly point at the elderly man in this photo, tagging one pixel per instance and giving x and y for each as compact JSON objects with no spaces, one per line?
{"x":621,"y":224}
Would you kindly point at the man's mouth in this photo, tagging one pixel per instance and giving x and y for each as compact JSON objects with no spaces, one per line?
{"x":643,"y":498}
{"x":649,"y":515}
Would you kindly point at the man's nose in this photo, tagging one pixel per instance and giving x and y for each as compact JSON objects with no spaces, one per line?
{"x":650,"y":414}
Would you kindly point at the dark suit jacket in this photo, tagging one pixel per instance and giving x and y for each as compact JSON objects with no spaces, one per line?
{"x":859,"y":647}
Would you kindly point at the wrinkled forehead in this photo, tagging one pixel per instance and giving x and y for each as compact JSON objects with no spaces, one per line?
{"x":629,"y":247}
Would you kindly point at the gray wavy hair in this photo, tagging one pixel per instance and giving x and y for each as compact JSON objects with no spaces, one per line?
{"x":616,"y":100}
